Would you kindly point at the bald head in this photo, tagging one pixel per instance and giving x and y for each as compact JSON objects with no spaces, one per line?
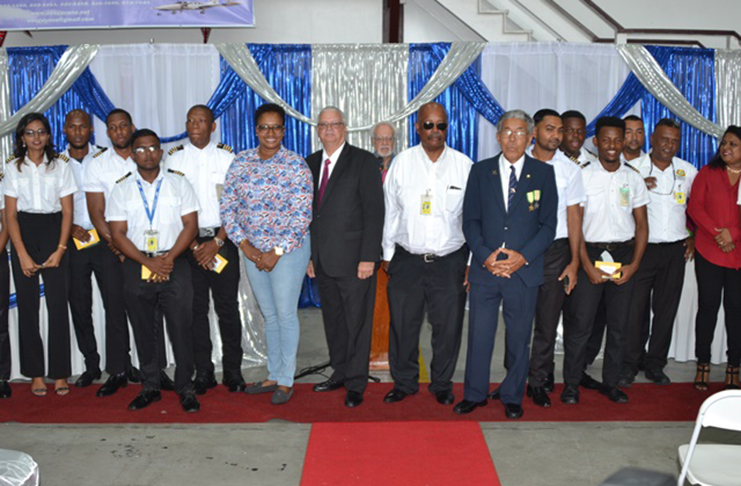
{"x":78,"y":129}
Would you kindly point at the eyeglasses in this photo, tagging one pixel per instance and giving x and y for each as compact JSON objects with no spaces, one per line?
{"x":428,"y":125}
{"x":142,"y":150}
{"x":383,"y":139}
{"x":31,"y":133}
{"x":270,"y":128}
{"x":518,"y":134}
{"x":332,"y":125}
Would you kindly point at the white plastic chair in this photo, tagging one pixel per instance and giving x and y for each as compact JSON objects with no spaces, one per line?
{"x":714,"y":464}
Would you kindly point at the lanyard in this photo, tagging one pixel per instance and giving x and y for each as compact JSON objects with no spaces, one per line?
{"x":150,"y":214}
{"x":674,"y":181}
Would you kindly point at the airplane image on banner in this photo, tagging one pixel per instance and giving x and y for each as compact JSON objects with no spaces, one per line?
{"x":182,"y":6}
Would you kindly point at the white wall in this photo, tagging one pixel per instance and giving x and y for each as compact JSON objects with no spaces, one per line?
{"x":674,"y":14}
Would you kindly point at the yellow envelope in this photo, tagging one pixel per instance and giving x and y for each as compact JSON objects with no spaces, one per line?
{"x":220,"y":263}
{"x":145,"y":273}
{"x":609,"y":267}
{"x":94,"y":240}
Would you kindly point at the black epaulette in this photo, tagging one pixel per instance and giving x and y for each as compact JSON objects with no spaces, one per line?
{"x":631,"y":167}
{"x":10,"y":159}
{"x":224,"y":147}
{"x":175,"y":149}
{"x":123,"y":178}
{"x":575,"y":160}
{"x":590,"y":153}
{"x":176,"y":172}
{"x":2,"y":176}
{"x":61,"y":157}
{"x":102,"y":149}
{"x":585,"y":165}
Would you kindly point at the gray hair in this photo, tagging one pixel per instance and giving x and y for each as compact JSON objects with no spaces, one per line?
{"x":333,"y":108}
{"x":516,"y":115}
{"x":379,"y":124}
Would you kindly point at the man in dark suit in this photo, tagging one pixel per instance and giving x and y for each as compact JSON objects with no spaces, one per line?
{"x":509,"y":220}
{"x":345,"y":250}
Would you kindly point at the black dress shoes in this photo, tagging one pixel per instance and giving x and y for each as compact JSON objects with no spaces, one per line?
{"x":549,"y":383}
{"x":614,"y":393}
{"x":513,"y":411}
{"x":496,"y":394}
{"x":145,"y":399}
{"x":353,"y":399}
{"x":329,"y":385}
{"x":539,"y":395}
{"x":5,"y":391}
{"x":87,"y":378}
{"x":133,"y":374}
{"x":112,"y":384}
{"x":445,"y":397}
{"x":189,"y":402}
{"x":167,"y":384}
{"x":658,"y":377}
{"x":589,"y":383}
{"x":395,"y":395}
{"x":234,"y":382}
{"x":570,"y":395}
{"x":203,"y":383}
{"x":627,"y":377}
{"x":467,"y":406}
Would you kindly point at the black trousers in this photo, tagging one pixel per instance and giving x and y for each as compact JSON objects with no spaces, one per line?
{"x":106,"y":266}
{"x":347,"y":310}
{"x":4,"y":305}
{"x":224,"y":287}
{"x":712,"y":282}
{"x":585,"y":299}
{"x":658,"y":287}
{"x":551,"y":297}
{"x":40,"y":234}
{"x":141,"y":298}
{"x":594,"y":344}
{"x":415,"y":287}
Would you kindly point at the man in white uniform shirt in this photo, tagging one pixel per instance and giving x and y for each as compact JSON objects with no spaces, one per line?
{"x":574,"y":135}
{"x":659,"y":281}
{"x":153,"y":217}
{"x":425,"y":255}
{"x":561,"y":260}
{"x":615,"y":230}
{"x":205,"y":164}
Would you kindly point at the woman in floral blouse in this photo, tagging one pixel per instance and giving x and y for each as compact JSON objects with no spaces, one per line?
{"x":266,"y":209}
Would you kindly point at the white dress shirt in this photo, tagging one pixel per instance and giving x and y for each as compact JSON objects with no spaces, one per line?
{"x":39,"y":189}
{"x":81,"y":216}
{"x":206,"y":170}
{"x":505,"y":171}
{"x":667,"y":211}
{"x":332,"y":163}
{"x":611,"y":198}
{"x":638,"y":161}
{"x":570,"y":188}
{"x":104,"y":170}
{"x":585,"y":158}
{"x":176,"y":199}
{"x":412,"y":176}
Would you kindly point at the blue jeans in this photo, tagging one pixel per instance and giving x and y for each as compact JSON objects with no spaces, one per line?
{"x":277,"y":295}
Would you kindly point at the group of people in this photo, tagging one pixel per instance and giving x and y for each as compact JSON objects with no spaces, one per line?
{"x":546,"y":230}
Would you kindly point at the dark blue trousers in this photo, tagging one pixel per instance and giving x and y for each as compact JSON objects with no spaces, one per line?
{"x":518,"y":311}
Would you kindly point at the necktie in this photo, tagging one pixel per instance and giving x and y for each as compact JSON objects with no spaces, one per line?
{"x":323,"y":183}
{"x":512,"y":187}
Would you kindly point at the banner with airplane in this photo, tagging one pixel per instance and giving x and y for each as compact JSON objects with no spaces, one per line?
{"x":89,"y":14}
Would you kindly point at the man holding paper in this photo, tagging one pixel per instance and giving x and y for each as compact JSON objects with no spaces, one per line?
{"x":615,"y":231}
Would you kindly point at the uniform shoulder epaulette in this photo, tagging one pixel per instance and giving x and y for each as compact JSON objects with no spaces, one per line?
{"x":176,"y":172}
{"x":584,"y":165}
{"x":123,"y":178}
{"x":102,"y":149}
{"x":631,"y":167}
{"x":61,"y":157}
{"x":2,"y":176}
{"x":575,"y":160}
{"x":10,"y":159}
{"x":175,"y":149}
{"x":224,"y":147}
{"x":591,"y":153}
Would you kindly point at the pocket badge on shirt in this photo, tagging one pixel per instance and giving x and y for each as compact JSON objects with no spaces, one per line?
{"x":680,"y":198}
{"x":625,"y":196}
{"x":219,"y":190}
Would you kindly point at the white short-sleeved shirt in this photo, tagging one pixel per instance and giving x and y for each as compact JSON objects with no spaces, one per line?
{"x":569,"y":186}
{"x":667,"y":211}
{"x":176,"y":199}
{"x":611,"y":198}
{"x":585,"y":157}
{"x":39,"y":189}
{"x":638,"y":161}
{"x":81,"y":216}
{"x":206,"y":170}
{"x":104,"y":170}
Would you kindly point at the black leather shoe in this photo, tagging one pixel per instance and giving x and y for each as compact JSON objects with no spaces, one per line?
{"x":329,"y":385}
{"x":353,"y":399}
{"x":87,"y":378}
{"x":203,"y":383}
{"x":513,"y":411}
{"x":190,"y":403}
{"x":658,"y":377}
{"x":570,"y":395}
{"x":166,"y":382}
{"x":626,"y":379}
{"x":614,"y":393}
{"x":445,"y":397}
{"x":395,"y":395}
{"x":133,"y":374}
{"x":539,"y":395}
{"x":145,"y":399}
{"x":549,"y":384}
{"x":589,"y":383}
{"x":5,"y":391}
{"x":234,"y":382}
{"x":112,"y":384}
{"x":467,"y":406}
{"x":496,"y":394}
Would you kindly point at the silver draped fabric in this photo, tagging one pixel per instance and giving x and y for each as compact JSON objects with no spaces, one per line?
{"x":655,"y":80}
{"x":72,"y":63}
{"x":254,"y":345}
{"x":728,"y":86}
{"x":6,"y":141}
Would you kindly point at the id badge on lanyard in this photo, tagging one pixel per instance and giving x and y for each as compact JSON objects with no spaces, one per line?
{"x":151,"y":236}
{"x":426,"y":204}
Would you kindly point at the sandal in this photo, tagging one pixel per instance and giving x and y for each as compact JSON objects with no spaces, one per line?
{"x":702,"y":377}
{"x":38,"y":390}
{"x":732,"y":378}
{"x":62,"y":391}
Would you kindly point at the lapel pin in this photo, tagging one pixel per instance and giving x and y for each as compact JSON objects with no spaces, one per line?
{"x":494,"y":172}
{"x":527,"y":176}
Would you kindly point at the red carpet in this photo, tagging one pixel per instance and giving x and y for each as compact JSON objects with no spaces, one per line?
{"x":410,"y":453}
{"x":676,"y":402}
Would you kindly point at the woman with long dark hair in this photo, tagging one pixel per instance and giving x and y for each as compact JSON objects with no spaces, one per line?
{"x":713,"y":207}
{"x":39,"y":187}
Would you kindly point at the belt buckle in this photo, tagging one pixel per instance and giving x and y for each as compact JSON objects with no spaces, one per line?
{"x":206,"y":232}
{"x":428,"y":257}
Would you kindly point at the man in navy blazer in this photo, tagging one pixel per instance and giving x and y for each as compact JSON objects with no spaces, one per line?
{"x":509,"y":220}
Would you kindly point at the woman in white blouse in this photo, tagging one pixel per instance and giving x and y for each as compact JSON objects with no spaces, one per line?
{"x":39,"y":187}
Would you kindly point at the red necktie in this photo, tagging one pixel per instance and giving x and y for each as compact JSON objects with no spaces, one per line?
{"x":325,"y":178}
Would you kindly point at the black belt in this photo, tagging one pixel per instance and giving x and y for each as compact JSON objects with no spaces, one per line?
{"x":614,"y":245}
{"x":669,"y":243}
{"x":208,"y":232}
{"x":560,"y":242}
{"x":428,"y":257}
{"x":152,"y":254}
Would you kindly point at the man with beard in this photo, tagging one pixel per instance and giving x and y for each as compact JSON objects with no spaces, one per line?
{"x":635,"y":137}
{"x":384,"y":140}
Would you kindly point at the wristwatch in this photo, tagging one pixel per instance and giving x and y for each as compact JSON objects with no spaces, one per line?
{"x":219,"y":241}
{"x":278,"y":251}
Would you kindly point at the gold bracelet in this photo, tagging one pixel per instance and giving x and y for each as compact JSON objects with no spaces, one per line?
{"x":62,"y":247}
